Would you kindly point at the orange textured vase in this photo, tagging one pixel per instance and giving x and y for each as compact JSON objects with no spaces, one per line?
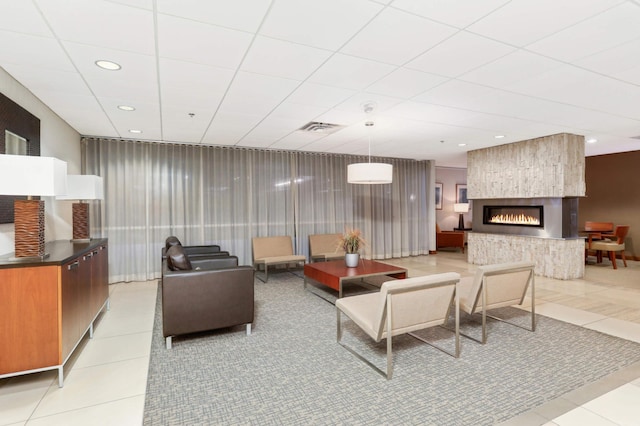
{"x":29,"y":228}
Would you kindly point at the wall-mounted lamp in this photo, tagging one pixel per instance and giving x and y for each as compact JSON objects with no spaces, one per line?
{"x":461,"y":208}
{"x":82,"y":188}
{"x":31,"y":176}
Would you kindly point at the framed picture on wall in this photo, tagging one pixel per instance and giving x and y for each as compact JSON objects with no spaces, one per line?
{"x":438,"y":196}
{"x":461,"y":193}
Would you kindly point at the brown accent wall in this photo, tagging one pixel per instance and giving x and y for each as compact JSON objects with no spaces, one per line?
{"x":613,"y":195}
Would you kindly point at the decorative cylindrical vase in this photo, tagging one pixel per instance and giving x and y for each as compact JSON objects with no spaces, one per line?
{"x":352,"y":259}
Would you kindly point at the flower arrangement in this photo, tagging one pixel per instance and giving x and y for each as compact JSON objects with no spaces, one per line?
{"x":351,"y":241}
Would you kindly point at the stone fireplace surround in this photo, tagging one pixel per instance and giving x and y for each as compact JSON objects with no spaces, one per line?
{"x":547,"y":171}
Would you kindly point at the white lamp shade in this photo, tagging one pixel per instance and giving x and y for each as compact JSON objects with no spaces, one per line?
{"x":369,"y":173}
{"x":83,"y":187}
{"x":31,"y":175}
{"x":461,"y":207}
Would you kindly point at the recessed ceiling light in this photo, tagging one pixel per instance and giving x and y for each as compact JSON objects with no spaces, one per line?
{"x":108,"y":65}
{"x":499,"y":136}
{"x":135,"y":131}
{"x":592,"y":140}
{"x":126,"y":108}
{"x":462,"y":144}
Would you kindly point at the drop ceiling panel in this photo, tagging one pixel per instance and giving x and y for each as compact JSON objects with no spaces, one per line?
{"x":459,"y":94}
{"x":137,"y":80}
{"x":256,"y":94}
{"x":236,"y":15}
{"x":326,"y":24}
{"x":200,"y":43}
{"x":83,"y":113}
{"x":101,"y":23}
{"x":621,"y":62}
{"x":460,"y":54}
{"x":522,"y":22}
{"x":23,"y":17}
{"x":26,"y":50}
{"x":283,"y":59}
{"x":395,"y":37}
{"x":458,"y":13}
{"x":566,"y":85}
{"x":229,"y":128}
{"x":349,"y":72}
{"x":192,"y":85}
{"x":62,"y":82}
{"x":319,"y":95}
{"x":405,"y":83}
{"x":511,"y":68}
{"x":609,"y":29}
{"x":178,"y":125}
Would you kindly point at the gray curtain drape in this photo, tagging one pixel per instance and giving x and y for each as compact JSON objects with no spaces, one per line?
{"x":226,"y":196}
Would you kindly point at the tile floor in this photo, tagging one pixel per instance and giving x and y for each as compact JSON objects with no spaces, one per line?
{"x":105,"y":380}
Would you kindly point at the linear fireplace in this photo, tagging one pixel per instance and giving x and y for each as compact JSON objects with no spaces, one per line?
{"x":537,"y":217}
{"x":513,"y":215}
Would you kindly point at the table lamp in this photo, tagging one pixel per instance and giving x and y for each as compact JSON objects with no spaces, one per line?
{"x":82,"y":188}
{"x":26,"y":175}
{"x":461,"y":208}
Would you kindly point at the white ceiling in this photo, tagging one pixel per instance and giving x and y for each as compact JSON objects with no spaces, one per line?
{"x":442,"y":72}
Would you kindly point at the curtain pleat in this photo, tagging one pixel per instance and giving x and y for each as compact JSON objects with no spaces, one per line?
{"x":226,"y":196}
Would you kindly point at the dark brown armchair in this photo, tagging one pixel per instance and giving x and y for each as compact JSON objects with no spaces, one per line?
{"x":449,"y":239}
{"x":204,"y":294}
{"x":192,"y":251}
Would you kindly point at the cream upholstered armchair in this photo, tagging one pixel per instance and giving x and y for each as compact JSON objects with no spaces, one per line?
{"x":614,"y":245}
{"x":325,"y":247}
{"x":402,"y":306}
{"x":270,"y":251}
{"x":497,"y":286}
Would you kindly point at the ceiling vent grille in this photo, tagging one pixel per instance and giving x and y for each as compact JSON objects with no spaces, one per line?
{"x":318,"y":127}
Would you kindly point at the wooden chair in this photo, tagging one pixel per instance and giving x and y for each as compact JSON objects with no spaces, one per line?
{"x":613,"y":246}
{"x":402,"y":306}
{"x":497,"y":286}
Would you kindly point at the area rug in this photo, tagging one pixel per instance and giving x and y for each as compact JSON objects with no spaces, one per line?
{"x":290,"y":370}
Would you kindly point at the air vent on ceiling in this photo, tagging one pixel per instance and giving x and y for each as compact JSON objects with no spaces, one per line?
{"x":317,"y":127}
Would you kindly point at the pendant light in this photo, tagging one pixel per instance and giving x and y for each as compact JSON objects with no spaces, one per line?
{"x":369,"y":173}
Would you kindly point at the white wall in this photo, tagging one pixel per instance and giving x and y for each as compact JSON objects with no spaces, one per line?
{"x":57,"y":139}
{"x":450,"y":177}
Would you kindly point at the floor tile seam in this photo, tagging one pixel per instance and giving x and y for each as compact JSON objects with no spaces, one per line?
{"x":84,"y":407}
{"x":101,"y":338}
{"x":595,"y":413}
{"x":119,"y":361}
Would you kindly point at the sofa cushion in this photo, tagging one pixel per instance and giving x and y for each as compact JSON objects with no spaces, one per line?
{"x":171,"y":241}
{"x":177,"y":259}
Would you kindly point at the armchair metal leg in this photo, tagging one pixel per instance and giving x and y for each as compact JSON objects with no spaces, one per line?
{"x":249,"y":329}
{"x":167,"y":341}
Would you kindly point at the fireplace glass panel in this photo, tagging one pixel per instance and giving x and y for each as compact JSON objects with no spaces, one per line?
{"x":513,"y":216}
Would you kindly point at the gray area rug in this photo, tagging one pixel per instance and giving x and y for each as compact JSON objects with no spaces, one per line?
{"x":292,"y":371}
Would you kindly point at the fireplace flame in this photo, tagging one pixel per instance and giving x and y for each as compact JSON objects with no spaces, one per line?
{"x":514,"y":219}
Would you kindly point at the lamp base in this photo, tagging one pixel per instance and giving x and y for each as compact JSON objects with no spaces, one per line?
{"x":28,"y":258}
{"x":80,"y":240}
{"x":80,"y":221}
{"x":461,"y":221}
{"x":29,"y":228}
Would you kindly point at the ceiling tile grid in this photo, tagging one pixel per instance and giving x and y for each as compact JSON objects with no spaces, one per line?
{"x":441,"y":73}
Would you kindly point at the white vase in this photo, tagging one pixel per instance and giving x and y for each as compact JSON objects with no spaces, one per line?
{"x":352,"y":259}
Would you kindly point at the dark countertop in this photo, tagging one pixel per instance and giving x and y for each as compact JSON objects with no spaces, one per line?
{"x":60,"y":252}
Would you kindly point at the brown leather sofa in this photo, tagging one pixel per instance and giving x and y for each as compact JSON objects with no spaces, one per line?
{"x":445,"y":239}
{"x":204,"y":294}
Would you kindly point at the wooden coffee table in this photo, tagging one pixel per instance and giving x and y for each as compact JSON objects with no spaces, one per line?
{"x":333,"y":274}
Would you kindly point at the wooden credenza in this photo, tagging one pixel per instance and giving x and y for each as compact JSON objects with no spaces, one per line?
{"x":48,"y":305}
